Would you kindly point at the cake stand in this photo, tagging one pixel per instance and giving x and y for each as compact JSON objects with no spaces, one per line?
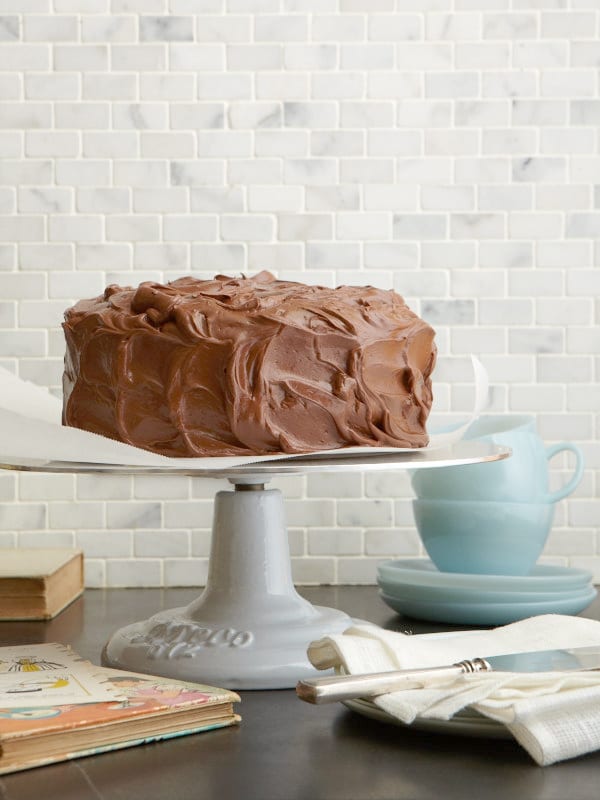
{"x":249,"y":629}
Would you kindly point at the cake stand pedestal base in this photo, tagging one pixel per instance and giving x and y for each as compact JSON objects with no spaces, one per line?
{"x":249,"y":629}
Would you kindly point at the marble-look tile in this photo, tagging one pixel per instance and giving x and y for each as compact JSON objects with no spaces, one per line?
{"x":391,"y":543}
{"x":539,"y":169}
{"x":10,"y":28}
{"x":196,"y":173}
{"x":161,"y":544}
{"x":139,"y":116}
{"x":360,"y":571}
{"x":335,"y":541}
{"x":133,"y":514}
{"x":314,"y":570}
{"x":449,"y":312}
{"x":185,"y":572}
{"x":419,"y":226}
{"x":133,"y":572}
{"x":105,"y":544}
{"x":166,"y":28}
{"x":108,"y":28}
{"x":45,"y":200}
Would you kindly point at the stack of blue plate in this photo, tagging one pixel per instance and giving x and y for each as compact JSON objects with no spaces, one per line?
{"x":416,"y":588}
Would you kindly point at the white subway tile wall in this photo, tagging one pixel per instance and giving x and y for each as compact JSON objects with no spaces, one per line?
{"x":448,"y":149}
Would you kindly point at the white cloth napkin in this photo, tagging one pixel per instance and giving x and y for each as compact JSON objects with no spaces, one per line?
{"x":553,"y":715}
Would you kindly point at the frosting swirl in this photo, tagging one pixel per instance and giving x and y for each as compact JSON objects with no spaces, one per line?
{"x":244,"y":366}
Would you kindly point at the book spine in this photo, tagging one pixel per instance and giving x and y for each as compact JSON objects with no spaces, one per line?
{"x":93,"y":751}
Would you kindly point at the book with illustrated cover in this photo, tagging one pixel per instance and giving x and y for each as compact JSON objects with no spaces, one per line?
{"x":152,"y":708}
{"x":38,"y":583}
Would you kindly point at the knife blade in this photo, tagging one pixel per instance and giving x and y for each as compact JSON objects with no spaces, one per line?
{"x":348,"y":687}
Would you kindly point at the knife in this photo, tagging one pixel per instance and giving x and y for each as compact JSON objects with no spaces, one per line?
{"x":348,"y":687}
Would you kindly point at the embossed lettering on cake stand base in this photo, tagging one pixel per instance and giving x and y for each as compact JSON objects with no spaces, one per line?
{"x":249,"y":629}
{"x":173,"y":639}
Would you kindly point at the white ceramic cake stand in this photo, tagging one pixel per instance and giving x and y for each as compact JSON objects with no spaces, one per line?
{"x":249,"y":629}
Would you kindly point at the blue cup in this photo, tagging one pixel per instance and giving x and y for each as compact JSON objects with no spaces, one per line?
{"x":524,"y":477}
{"x":485,"y":538}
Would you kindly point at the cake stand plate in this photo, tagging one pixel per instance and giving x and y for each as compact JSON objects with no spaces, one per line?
{"x":249,"y":629}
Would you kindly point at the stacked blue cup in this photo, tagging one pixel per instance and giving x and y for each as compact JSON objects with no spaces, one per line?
{"x":492,"y":518}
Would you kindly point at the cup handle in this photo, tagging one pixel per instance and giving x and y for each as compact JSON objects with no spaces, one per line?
{"x":571,"y":485}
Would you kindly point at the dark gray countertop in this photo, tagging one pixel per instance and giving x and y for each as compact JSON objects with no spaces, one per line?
{"x":285,"y":749}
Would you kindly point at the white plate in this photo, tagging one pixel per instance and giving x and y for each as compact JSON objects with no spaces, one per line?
{"x":465,"y":723}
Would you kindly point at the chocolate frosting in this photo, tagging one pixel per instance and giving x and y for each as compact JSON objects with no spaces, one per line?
{"x":244,"y":366}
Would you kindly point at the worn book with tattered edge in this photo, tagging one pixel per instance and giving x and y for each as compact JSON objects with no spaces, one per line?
{"x":154,"y":708}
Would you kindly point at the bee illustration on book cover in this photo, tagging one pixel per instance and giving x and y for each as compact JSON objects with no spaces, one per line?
{"x":32,"y":664}
{"x":49,"y":674}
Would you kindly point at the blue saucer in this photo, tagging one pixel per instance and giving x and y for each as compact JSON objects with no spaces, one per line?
{"x":444,"y":594}
{"x":487,"y":613}
{"x":416,"y":588}
{"x":542,"y":578}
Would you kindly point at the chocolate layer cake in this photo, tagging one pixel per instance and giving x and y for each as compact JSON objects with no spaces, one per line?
{"x":245,"y":366}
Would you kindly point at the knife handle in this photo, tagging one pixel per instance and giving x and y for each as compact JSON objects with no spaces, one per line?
{"x":349,"y":687}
